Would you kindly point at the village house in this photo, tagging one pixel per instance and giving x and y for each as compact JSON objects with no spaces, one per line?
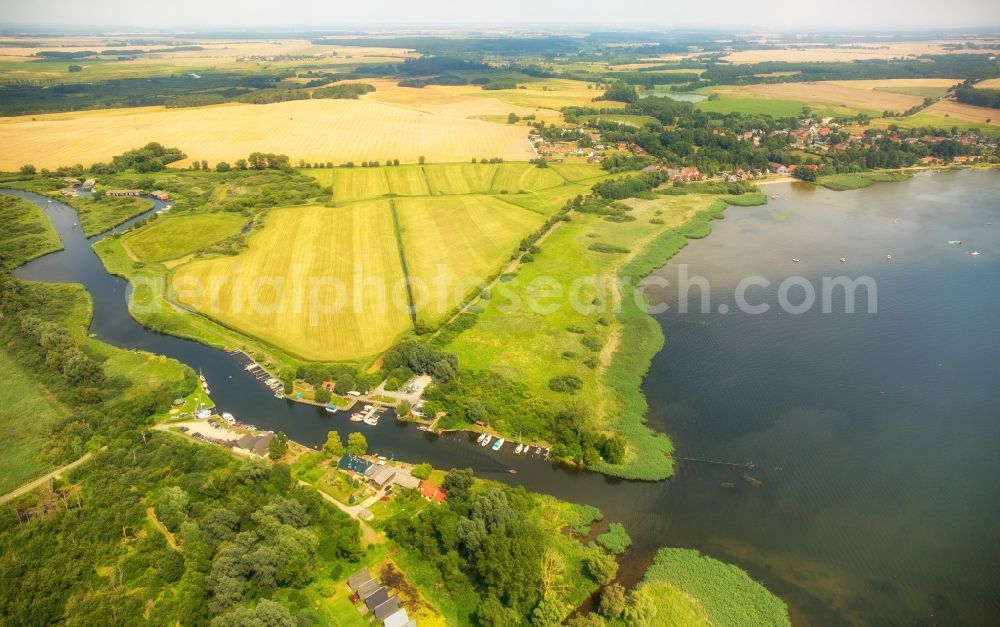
{"x":254,"y":444}
{"x":159,"y":194}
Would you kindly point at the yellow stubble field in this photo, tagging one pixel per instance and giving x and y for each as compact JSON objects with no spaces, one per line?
{"x":314,"y":130}
{"x":454,"y":242}
{"x":323,"y":283}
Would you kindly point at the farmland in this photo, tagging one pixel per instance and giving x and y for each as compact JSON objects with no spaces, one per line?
{"x":313,"y":130}
{"x":312,"y":282}
{"x":454,"y":243}
{"x":835,"y":97}
{"x":520,"y":181}
{"x":845,"y":53}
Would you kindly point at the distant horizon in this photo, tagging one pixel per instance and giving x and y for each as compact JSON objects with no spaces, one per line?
{"x":775,"y":16}
{"x":108,"y":30}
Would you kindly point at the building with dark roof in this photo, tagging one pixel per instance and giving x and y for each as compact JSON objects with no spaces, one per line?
{"x":377,"y":598}
{"x":353,"y":464}
{"x":387,"y":609}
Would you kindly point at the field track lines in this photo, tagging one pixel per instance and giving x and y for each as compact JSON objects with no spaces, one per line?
{"x":402,"y":259}
{"x":427,"y":181}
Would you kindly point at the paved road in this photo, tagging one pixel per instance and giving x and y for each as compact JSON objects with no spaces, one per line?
{"x":28,"y":487}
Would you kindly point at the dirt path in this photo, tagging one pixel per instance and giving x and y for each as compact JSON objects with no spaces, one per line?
{"x":28,"y":487}
{"x":151,"y":515}
{"x":368,"y":535}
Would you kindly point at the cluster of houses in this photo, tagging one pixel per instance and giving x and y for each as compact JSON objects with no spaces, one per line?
{"x":383,"y":477}
{"x":74,"y":186}
{"x":377,"y":599}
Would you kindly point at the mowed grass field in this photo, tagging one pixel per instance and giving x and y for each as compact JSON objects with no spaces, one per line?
{"x":313,"y":130}
{"x":176,"y":236}
{"x":453,"y":243}
{"x":320,"y":282}
{"x":26,"y":413}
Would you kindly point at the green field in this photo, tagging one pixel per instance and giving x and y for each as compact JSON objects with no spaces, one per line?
{"x":27,"y":412}
{"x":773,"y":107}
{"x":100,"y":214}
{"x":923,"y":92}
{"x":637,"y":121}
{"x":453,"y":243}
{"x":688,"y":588}
{"x":322,"y":283}
{"x":25,"y":232}
{"x":537,"y":326}
{"x":178,"y":235}
{"x":857,"y":180}
{"x":407,"y":181}
{"x":448,"y":179}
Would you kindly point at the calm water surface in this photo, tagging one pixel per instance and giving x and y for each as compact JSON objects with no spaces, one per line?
{"x":875,"y":437}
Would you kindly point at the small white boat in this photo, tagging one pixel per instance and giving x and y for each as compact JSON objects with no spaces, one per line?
{"x":50,"y":202}
{"x":975,"y":253}
{"x":278,"y":394}
{"x":331,"y":409}
{"x":207,"y":391}
{"x":371,"y":420}
{"x":482,"y":436}
{"x":843,"y":260}
{"x":356,"y":417}
{"x":538,"y":450}
{"x":795,"y":260}
{"x":888,"y":257}
{"x":955,"y":241}
{"x":520,"y":447}
{"x":250,"y":366}
{"x":486,"y":441}
{"x":368,"y":407}
{"x":498,"y":444}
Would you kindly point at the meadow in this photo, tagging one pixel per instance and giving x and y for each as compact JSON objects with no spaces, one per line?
{"x":33,"y":235}
{"x":696,"y":589}
{"x":828,"y":97}
{"x":27,"y":413}
{"x":175,"y":236}
{"x":267,"y":291}
{"x":561,"y":315}
{"x":850,"y":52}
{"x":311,"y":130}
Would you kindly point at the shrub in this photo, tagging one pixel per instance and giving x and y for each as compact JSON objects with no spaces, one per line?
{"x":567,"y":384}
{"x":615,"y":539}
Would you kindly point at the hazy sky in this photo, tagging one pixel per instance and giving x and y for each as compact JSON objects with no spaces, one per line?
{"x":779,"y":15}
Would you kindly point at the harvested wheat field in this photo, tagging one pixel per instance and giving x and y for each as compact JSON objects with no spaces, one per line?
{"x":314,"y":130}
{"x":964,"y":112}
{"x":854,"y":52}
{"x":321,"y":283}
{"x":852,"y":95}
{"x":454,"y":242}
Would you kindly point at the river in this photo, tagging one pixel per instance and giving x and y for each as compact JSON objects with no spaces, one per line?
{"x":874,"y":436}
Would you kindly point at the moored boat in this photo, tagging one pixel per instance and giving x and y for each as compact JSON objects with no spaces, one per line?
{"x":498,"y":444}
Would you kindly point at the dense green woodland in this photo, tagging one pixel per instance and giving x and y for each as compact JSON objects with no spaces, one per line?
{"x":88,"y":555}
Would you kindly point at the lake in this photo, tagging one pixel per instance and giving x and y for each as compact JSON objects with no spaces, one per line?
{"x":873,"y":437}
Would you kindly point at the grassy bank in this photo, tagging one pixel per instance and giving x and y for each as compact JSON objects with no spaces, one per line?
{"x":27,"y":412}
{"x":688,"y":588}
{"x":538,"y":332}
{"x":858,"y":180}
{"x":26,"y":232}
